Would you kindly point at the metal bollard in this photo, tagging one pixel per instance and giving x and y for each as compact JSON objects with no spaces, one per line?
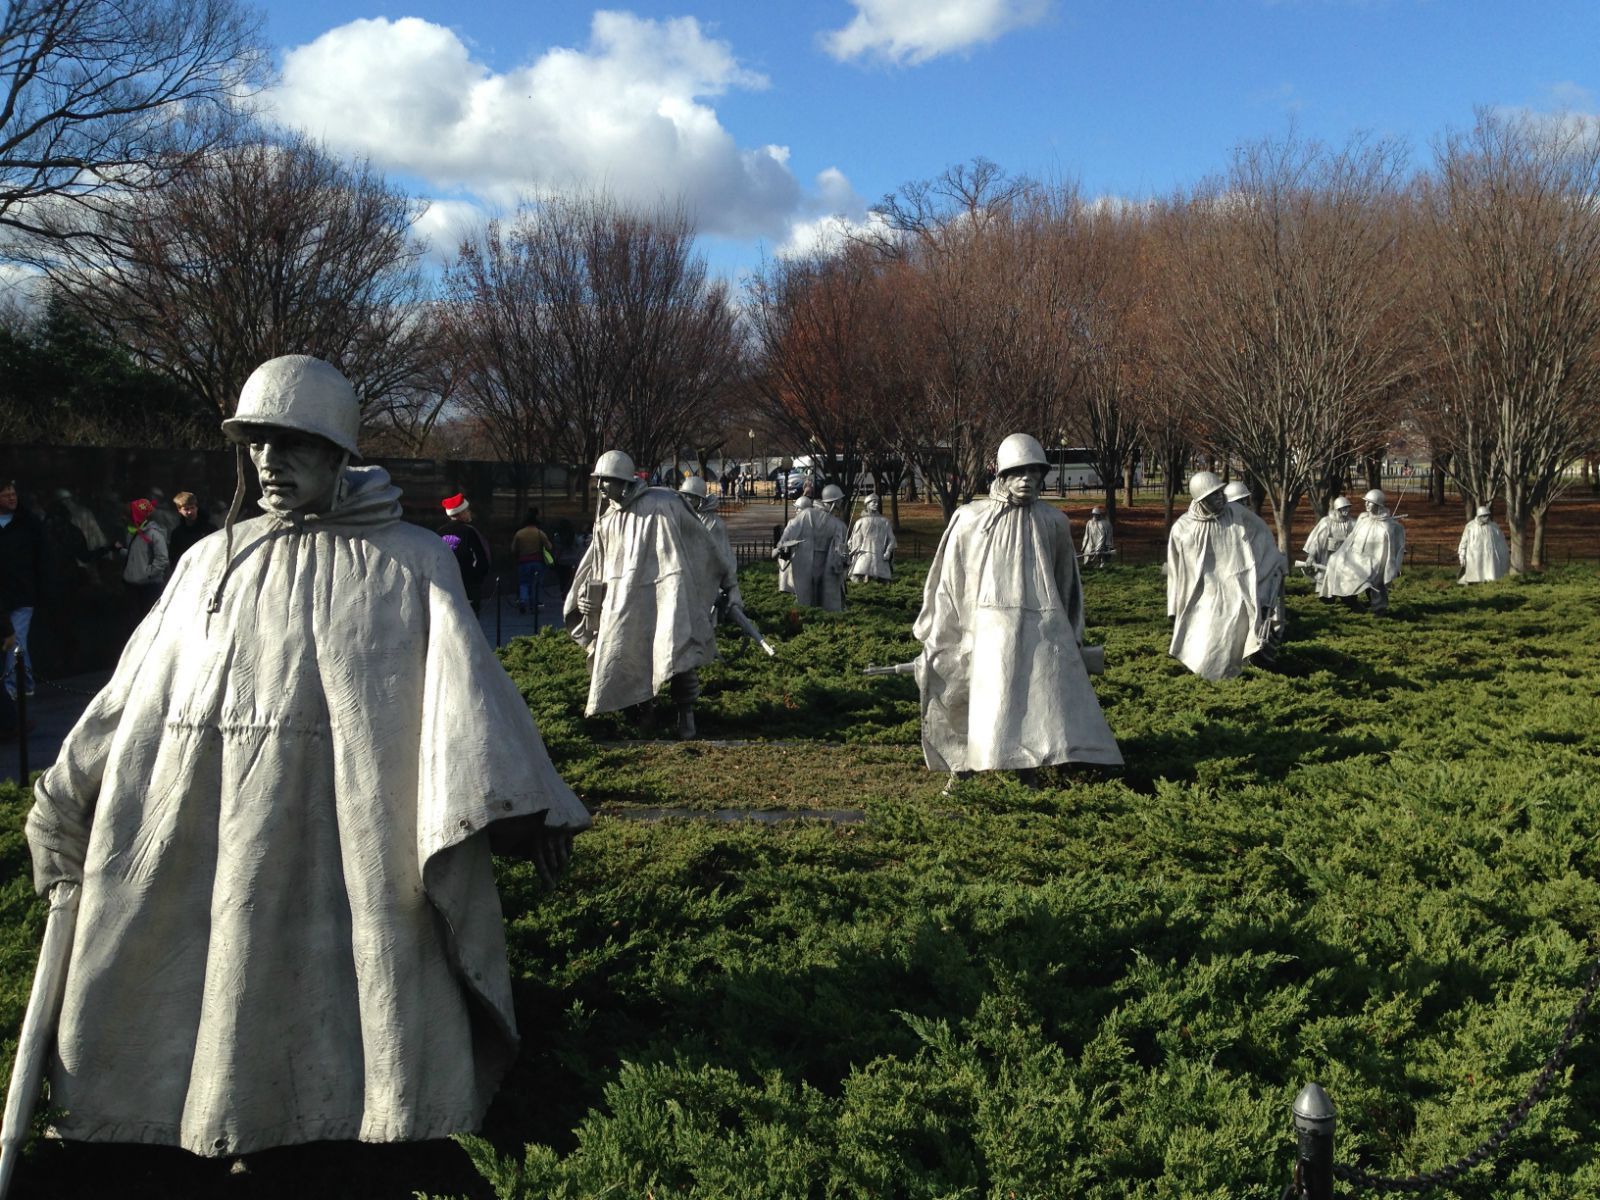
{"x":1314,"y":1121}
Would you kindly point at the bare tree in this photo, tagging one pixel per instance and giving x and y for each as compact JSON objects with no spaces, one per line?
{"x":1105,"y":250}
{"x":990,"y":297}
{"x":1286,"y":273}
{"x":493,"y":320}
{"x":252,"y":252}
{"x":584,"y":326}
{"x":1512,"y":255}
{"x":99,"y":98}
{"x":402,"y":419}
{"x":814,"y":372}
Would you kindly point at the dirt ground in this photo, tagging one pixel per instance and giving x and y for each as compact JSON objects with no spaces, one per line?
{"x":1432,"y":531}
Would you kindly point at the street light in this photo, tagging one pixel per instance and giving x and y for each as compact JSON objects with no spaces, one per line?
{"x":750,"y":483}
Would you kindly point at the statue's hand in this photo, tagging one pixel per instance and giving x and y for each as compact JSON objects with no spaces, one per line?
{"x":552,"y":851}
{"x":585,"y":605}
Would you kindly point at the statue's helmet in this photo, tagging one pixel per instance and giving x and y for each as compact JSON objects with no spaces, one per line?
{"x":873,"y":502}
{"x":1236,"y":491}
{"x":694,"y":485}
{"x":301,"y":393}
{"x":1020,"y":450}
{"x":1342,"y":502}
{"x":832,"y":494}
{"x":802,"y":503}
{"x":1376,"y":496}
{"x":1484,"y":510}
{"x":614,"y":464}
{"x":1097,"y":511}
{"x":1203,"y":484}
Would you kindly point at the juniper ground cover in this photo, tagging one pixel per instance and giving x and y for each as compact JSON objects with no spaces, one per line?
{"x":1374,"y":867}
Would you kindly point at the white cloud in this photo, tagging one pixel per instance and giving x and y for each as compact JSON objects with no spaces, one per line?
{"x":832,"y":215}
{"x":825,"y":234}
{"x":442,"y":225}
{"x":914,"y":31}
{"x":23,"y":291}
{"x":626,"y":114}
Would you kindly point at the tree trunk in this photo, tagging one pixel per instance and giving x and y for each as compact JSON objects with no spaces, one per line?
{"x":1538,"y":538}
{"x":1373,"y":463}
{"x":1518,"y":520}
{"x":1283,"y":520}
{"x":1128,"y":477}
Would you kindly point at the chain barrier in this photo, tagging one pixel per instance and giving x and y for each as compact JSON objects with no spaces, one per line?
{"x":1487,"y":1150}
{"x":61,"y":687}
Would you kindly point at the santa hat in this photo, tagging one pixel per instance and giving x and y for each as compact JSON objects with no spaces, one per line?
{"x":140,"y":511}
{"x":455,"y":504}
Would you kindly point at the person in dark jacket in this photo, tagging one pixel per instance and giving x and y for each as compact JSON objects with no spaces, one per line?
{"x":470,"y":547}
{"x":21,"y":555}
{"x":195,"y":525}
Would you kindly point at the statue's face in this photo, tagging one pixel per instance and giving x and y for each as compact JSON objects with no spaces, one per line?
{"x":613,"y":489}
{"x":298,"y":471}
{"x":1214,"y":503}
{"x":1373,"y":506}
{"x":1022,"y":485}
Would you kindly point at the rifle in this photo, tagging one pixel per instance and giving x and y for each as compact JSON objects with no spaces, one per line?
{"x":38,"y":1027}
{"x":747,"y":627}
{"x":1094,"y":662}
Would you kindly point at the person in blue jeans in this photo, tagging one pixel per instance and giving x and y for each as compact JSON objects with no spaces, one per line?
{"x":535,"y":553}
{"x":21,"y":551}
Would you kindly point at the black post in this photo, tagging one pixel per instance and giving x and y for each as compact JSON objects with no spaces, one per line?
{"x":498,"y":640}
{"x":23,"y":680}
{"x":1314,"y":1122}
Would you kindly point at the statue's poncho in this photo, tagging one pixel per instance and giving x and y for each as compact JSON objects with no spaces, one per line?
{"x":1272,"y":567}
{"x":289,"y":929}
{"x":662,"y":572}
{"x":727,"y":562}
{"x":1483,"y":552}
{"x":1327,"y":536}
{"x":1096,"y":538}
{"x":816,"y":541}
{"x":1213,"y":592}
{"x":1003,"y":681}
{"x":1369,"y":559}
{"x":871,"y":547}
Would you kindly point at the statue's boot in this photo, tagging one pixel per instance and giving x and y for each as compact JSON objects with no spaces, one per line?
{"x":644,"y":716}
{"x":686,"y":731}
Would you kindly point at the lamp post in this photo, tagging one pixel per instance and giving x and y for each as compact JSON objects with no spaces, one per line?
{"x":750,"y":483}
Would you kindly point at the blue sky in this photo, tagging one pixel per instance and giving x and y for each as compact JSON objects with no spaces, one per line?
{"x":771,"y":117}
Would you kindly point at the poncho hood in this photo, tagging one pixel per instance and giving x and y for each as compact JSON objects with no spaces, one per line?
{"x":365,"y":497}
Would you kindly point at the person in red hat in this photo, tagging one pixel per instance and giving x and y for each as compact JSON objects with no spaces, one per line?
{"x":469,"y":546}
{"x":145,"y":572}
